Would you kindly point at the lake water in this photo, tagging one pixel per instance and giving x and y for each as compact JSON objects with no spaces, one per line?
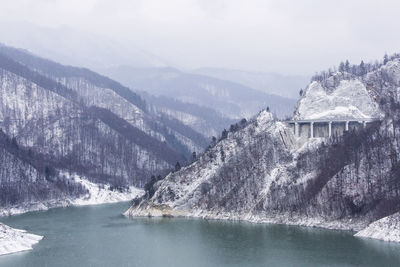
{"x":101,"y":236}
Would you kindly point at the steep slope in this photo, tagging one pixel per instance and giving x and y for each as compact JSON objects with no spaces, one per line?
{"x":29,"y":177}
{"x":264,"y":173}
{"x":94,"y":89}
{"x":231,"y":99}
{"x":53,"y":124}
{"x":77,"y":125}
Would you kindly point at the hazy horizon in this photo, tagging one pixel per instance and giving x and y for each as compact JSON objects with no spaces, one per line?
{"x":284,"y":37}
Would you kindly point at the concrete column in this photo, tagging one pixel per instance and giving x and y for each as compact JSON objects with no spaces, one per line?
{"x":347,"y":126}
{"x":311,"y":129}
{"x":296,"y":129}
{"x":330,"y":129}
{"x":364,"y":124}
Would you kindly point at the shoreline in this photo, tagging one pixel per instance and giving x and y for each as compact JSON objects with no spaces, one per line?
{"x":96,"y":196}
{"x":16,"y":240}
{"x":386,"y":229}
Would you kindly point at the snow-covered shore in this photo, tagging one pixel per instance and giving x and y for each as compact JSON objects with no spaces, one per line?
{"x":96,"y":195}
{"x":286,"y":219}
{"x":15,"y":240}
{"x":385,"y":229}
{"x":102,"y":195}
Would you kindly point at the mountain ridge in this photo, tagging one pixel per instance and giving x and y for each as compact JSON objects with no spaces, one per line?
{"x":263,"y":173}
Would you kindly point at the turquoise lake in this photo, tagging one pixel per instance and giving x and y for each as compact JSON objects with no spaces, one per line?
{"x":101,"y":236}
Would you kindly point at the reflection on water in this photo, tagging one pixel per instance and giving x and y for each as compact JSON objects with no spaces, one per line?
{"x":101,"y":236}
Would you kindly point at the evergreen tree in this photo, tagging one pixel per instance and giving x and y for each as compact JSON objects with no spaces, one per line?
{"x":222,"y":154}
{"x":14,"y":142}
{"x":385,"y":59}
{"x":177,"y":166}
{"x":347,"y":66}
{"x":213,"y":141}
{"x":148,"y":187}
{"x":224,"y":134}
{"x":362,"y":68}
{"x":342,"y":67}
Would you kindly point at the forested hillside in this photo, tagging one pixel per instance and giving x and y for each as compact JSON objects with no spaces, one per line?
{"x":264,"y":173}
{"x":68,"y":119}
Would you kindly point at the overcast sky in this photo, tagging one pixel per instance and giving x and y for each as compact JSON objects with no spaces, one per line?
{"x":285,"y":36}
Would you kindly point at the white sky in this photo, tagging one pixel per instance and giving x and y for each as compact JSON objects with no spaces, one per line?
{"x":286,"y":36}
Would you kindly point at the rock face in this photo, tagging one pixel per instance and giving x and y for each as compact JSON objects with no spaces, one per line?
{"x":349,"y":100}
{"x":262,"y":173}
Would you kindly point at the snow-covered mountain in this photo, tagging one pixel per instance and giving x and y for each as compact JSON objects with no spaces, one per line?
{"x":229,"y":100}
{"x":64,"y":129}
{"x":262,"y":172}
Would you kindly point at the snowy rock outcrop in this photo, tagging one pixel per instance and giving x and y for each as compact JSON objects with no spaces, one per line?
{"x":386,"y":229}
{"x":15,"y":240}
{"x":261,"y":173}
{"x":350,"y":100}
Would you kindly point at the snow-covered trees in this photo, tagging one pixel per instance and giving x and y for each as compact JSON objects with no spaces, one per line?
{"x":355,"y":70}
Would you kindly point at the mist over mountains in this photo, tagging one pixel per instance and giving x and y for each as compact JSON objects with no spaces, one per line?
{"x":143,"y":71}
{"x":267,"y":82}
{"x":76,"y":47}
{"x":142,"y":118}
{"x":231,"y":99}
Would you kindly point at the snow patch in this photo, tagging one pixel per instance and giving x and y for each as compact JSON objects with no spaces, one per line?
{"x":350,"y":100}
{"x":15,"y":240}
{"x":97,"y":194}
{"x":103,"y":194}
{"x":386,"y":229}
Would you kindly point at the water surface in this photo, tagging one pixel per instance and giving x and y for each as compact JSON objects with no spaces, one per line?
{"x":101,"y":236}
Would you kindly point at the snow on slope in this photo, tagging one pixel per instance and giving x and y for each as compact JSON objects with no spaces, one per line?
{"x":386,"y":229}
{"x":270,"y":185}
{"x":97,"y":194}
{"x":102,"y":195}
{"x":15,"y":240}
{"x":349,"y":100}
